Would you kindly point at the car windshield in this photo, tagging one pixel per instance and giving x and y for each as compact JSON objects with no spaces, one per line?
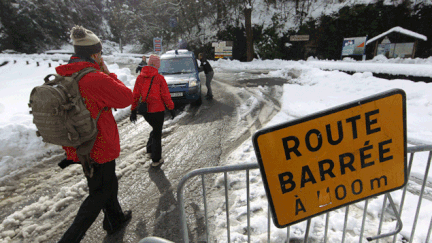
{"x":177,"y":65}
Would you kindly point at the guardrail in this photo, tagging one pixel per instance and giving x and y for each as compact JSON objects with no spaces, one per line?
{"x":247,"y":167}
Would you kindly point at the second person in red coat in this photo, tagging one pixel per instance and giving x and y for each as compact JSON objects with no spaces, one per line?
{"x":158,"y":98}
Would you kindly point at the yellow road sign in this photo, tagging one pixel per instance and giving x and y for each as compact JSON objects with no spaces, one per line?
{"x":333,"y":158}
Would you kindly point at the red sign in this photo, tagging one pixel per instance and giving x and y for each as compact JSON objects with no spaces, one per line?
{"x":157,"y":44}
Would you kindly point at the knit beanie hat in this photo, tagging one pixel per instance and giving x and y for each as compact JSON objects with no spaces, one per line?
{"x":154,"y":61}
{"x":85,"y":42}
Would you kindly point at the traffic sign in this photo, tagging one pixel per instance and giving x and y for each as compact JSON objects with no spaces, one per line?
{"x":333,"y":158}
{"x":173,"y":22}
{"x":157,"y":44}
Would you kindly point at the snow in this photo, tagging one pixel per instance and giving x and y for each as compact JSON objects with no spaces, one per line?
{"x":312,"y":90}
{"x":399,"y":30}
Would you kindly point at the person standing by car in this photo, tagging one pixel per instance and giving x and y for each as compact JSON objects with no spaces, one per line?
{"x":100,"y":89}
{"x":141,"y":64}
{"x":208,"y":70}
{"x":158,"y":98}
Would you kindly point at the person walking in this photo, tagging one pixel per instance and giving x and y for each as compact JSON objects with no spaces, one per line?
{"x":152,"y":88}
{"x":141,"y":64}
{"x":208,"y":71}
{"x":100,"y":89}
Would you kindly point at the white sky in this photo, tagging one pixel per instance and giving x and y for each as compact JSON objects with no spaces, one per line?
{"x":314,"y":90}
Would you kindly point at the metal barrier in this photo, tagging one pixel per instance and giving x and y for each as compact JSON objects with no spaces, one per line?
{"x":247,"y":167}
{"x":153,"y":239}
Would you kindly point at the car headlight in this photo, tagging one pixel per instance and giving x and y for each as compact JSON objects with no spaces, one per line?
{"x":192,"y":83}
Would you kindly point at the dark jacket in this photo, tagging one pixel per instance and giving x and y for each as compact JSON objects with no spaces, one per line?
{"x":159,"y":95}
{"x":205,"y":66}
{"x":140,"y":66}
{"x":100,"y":90}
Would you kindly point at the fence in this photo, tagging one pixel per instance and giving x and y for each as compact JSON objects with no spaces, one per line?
{"x":411,"y":232}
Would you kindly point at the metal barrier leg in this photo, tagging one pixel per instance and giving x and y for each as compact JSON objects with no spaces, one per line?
{"x":227,"y":206}
{"x":308,"y":225}
{"x":398,"y":226}
{"x":326,"y":227}
{"x":363,"y":220}
{"x":429,"y":231}
{"x":205,"y":206}
{"x":345,"y":223}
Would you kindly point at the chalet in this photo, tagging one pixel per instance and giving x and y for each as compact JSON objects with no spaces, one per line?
{"x":396,"y":42}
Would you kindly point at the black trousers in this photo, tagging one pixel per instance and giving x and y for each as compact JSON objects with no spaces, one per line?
{"x":154,"y":143}
{"x":103,"y":190}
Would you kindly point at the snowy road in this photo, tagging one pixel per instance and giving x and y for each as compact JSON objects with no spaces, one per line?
{"x":197,"y":137}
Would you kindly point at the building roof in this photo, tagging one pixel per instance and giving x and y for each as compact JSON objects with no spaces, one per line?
{"x":399,"y":30}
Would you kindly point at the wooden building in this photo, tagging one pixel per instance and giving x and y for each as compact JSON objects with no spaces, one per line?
{"x":396,"y":42}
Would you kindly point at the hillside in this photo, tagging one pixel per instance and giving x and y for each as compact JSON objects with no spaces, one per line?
{"x":31,"y":26}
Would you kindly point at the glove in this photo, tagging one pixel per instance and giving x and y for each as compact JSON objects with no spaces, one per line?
{"x":133,"y":116}
{"x":65,"y":163}
{"x":172,"y":114}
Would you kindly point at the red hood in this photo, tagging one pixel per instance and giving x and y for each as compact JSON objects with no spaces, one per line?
{"x":149,"y":71}
{"x":69,"y":69}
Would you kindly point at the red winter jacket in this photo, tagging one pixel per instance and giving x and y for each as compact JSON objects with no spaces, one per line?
{"x":159,"y":95}
{"x":100,"y":90}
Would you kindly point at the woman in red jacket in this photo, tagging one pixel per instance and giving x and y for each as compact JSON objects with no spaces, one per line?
{"x":99,"y":89}
{"x":158,"y":98}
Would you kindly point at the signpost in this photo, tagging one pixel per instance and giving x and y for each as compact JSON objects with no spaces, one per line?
{"x":299,"y":38}
{"x":354,"y":46}
{"x":334,"y":158}
{"x":223,"y":49}
{"x":157,"y":44}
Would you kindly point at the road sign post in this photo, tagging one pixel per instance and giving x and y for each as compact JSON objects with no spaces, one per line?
{"x":334,"y":158}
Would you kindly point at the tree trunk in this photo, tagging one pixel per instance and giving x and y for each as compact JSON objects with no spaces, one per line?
{"x":249,"y":34}
{"x":218,"y":12}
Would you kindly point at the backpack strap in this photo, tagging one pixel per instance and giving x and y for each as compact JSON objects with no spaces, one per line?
{"x":78,"y":74}
{"x":83,"y":151}
{"x":81,"y":73}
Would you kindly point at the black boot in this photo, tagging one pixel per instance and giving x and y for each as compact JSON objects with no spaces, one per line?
{"x":127,"y":217}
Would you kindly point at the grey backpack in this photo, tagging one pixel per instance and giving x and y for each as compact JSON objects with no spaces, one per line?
{"x":61,"y":116}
